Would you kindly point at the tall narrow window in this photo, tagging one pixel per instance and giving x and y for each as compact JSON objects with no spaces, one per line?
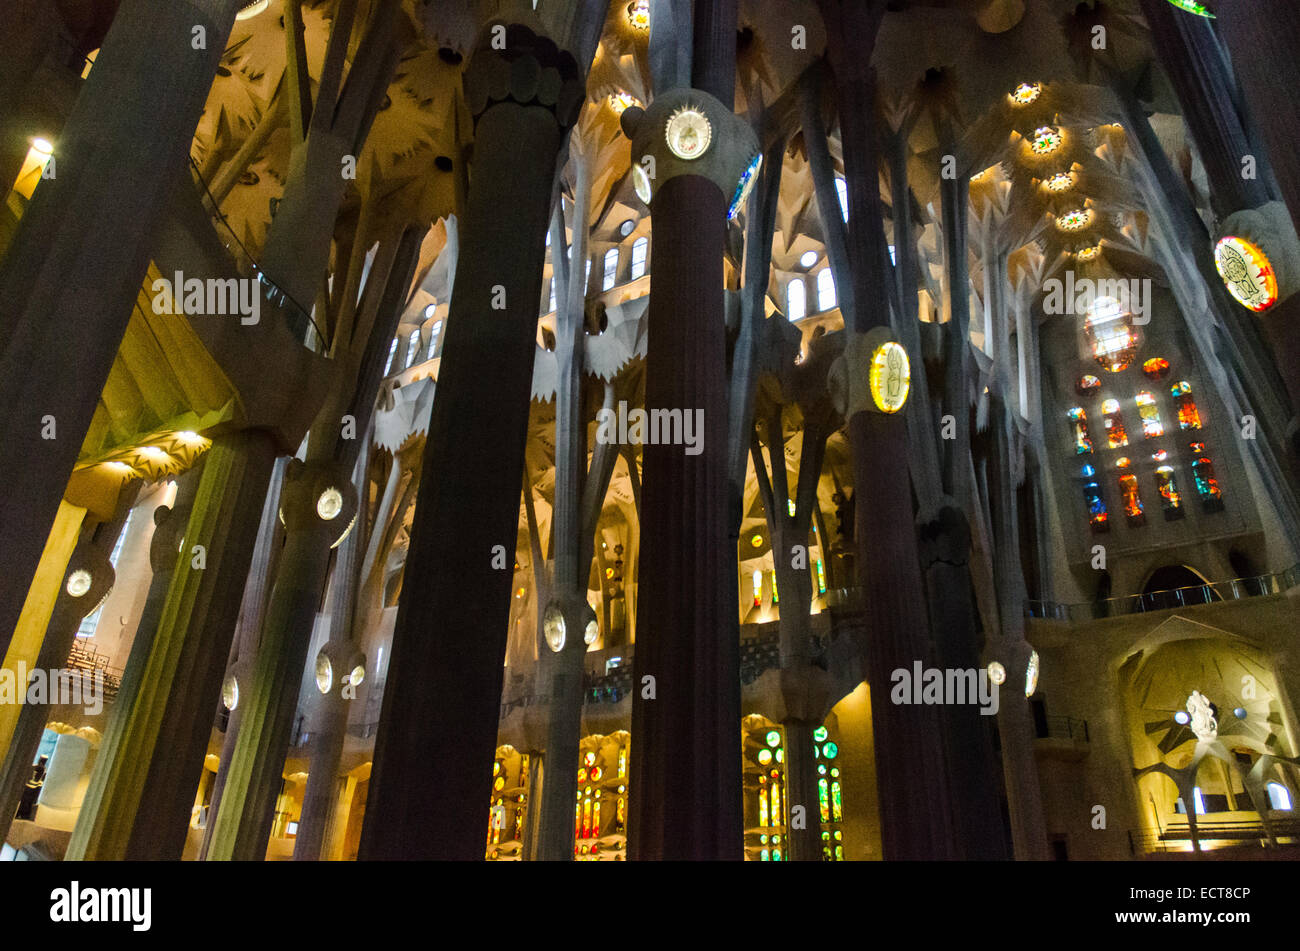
{"x":776,"y":597}
{"x":1079,"y":422}
{"x":1207,"y":486}
{"x":1132,"y":499}
{"x":1278,"y":797}
{"x":434,"y":332}
{"x":825,"y":289}
{"x":639,"y":248}
{"x":91,"y":621}
{"x":392,"y":352}
{"x":1150,"y":414}
{"x":796,"y":300}
{"x":842,"y":190}
{"x":550,"y":309}
{"x":412,"y":345}
{"x":1111,"y":335}
{"x":1116,"y":435}
{"x":758,"y":588}
{"x":611,"y":269}
{"x":1097,"y":517}
{"x":1170,"y":500}
{"x":1188,"y":416}
{"x":586,"y":280}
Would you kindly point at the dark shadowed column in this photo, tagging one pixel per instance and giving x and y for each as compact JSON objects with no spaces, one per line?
{"x":432,"y":777}
{"x":81,"y":251}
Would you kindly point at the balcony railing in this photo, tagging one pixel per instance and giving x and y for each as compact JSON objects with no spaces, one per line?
{"x":1174,"y":598}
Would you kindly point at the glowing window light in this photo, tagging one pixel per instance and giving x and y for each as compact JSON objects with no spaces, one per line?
{"x":1082,"y":441}
{"x":773,"y":738}
{"x":796,"y":296}
{"x":1168,"y":489}
{"x":611,"y":269}
{"x":638,"y":15}
{"x":1046,"y":140}
{"x":250,"y":10}
{"x":1123,"y":462}
{"x":42,"y":147}
{"x":776,"y":597}
{"x":1131,"y":498}
{"x":619,"y":102}
{"x":1109,"y":331}
{"x":821,"y":577}
{"x":1025,"y":93}
{"x":1160,"y":455}
{"x":639,"y":249}
{"x":1193,"y":6}
{"x":1087,"y":384}
{"x":1189,"y":416}
{"x":758,"y":587}
{"x":1060,"y":182}
{"x":743,"y":187}
{"x":1278,"y":797}
{"x":1089,"y":254}
{"x":1097,"y":516}
{"x":820,"y":735}
{"x":1157,"y":368}
{"x":890,"y":377}
{"x":1150,"y":415}
{"x":1116,"y":435}
{"x":434,"y":333}
{"x":1197,"y":802}
{"x":824,"y":800}
{"x":392,"y":352}
{"x":825,"y":289}
{"x":1074,"y":220}
{"x":756,"y":541}
{"x":1247,"y":273}
{"x":1207,"y":486}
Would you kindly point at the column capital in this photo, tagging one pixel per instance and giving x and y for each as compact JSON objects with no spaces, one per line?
{"x":689,"y":132}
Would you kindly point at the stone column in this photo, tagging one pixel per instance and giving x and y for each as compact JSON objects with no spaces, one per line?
{"x":979,"y":831}
{"x":126,"y":135}
{"x":686,"y":798}
{"x":437,"y":741}
{"x":142,"y":787}
{"x":1015,"y":727}
{"x":910,"y":770}
{"x":1262,"y":37}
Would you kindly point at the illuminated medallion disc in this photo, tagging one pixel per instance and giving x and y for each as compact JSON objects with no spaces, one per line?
{"x":79,"y":582}
{"x":230,"y":692}
{"x":1247,"y":272}
{"x":997,"y":673}
{"x":324,"y":673}
{"x":1031,"y":674}
{"x":553,"y":627}
{"x":688,"y":133}
{"x":890,"y":377}
{"x":641,"y":182}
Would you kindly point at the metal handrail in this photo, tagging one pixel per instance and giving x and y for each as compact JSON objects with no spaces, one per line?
{"x":1168,"y":599}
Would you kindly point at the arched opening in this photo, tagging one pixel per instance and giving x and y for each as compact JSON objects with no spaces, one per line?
{"x":1176,"y":586}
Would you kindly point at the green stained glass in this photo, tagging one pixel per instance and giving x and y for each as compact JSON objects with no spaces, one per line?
{"x":1192,"y":6}
{"x":830,"y":750}
{"x":820,"y":734}
{"x":837,"y":807}
{"x":823,"y":800}
{"x":773,"y":738}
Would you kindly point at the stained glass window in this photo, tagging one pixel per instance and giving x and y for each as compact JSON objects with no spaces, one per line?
{"x":413,"y":344}
{"x":1074,"y":220}
{"x":1132,"y":499}
{"x":1207,"y":486}
{"x":842,"y":192}
{"x":1079,"y":422}
{"x":392,"y":352}
{"x":1097,"y":517}
{"x":1046,"y":139}
{"x":758,"y":588}
{"x":599,"y":825}
{"x":1188,"y":415}
{"x":1110,"y":333}
{"x":1157,"y":368}
{"x":776,"y":597}
{"x":1150,"y":414}
{"x":434,"y":332}
{"x":508,"y":805}
{"x":1170,"y":500}
{"x":1116,"y":435}
{"x":1025,"y":93}
{"x":1087,"y":384}
{"x":821,"y":577}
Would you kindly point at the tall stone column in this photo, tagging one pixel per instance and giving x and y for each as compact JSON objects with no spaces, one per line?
{"x":126,"y":136}
{"x":432,"y":775}
{"x":1008,"y":646}
{"x":1262,"y":37}
{"x":909,"y":738}
{"x":142,"y":785}
{"x":686,"y":798}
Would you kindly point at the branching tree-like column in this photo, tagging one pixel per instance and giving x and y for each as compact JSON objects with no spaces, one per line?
{"x":691,"y":152}
{"x":910,"y":770}
{"x":114,"y":162}
{"x":142,"y":785}
{"x":432,"y":777}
